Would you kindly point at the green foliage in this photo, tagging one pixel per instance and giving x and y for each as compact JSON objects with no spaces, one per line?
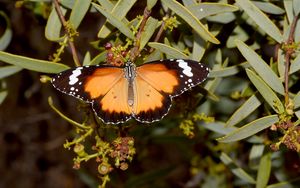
{"x":250,"y":101}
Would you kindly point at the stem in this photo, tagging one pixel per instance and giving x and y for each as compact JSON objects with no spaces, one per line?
{"x":161,"y":29}
{"x":135,"y":50}
{"x":289,"y":51}
{"x":64,"y":23}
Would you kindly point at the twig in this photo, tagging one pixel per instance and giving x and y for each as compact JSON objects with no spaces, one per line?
{"x":289,"y":51}
{"x":135,"y":50}
{"x":161,"y":29}
{"x":64,"y":23}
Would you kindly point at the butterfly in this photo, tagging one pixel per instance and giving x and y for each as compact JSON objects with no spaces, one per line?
{"x":143,"y":92}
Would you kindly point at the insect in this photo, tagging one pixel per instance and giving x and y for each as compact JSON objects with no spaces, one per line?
{"x":143,"y":92}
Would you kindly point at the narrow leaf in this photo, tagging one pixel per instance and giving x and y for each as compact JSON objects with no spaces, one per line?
{"x":297,"y":100}
{"x":238,"y":33}
{"x":79,"y":10}
{"x":173,"y":52}
{"x":7,"y":35}
{"x":199,"y":46}
{"x":267,"y":93}
{"x":119,"y":11}
{"x":261,"y":19}
{"x":203,"y":10}
{"x":261,"y":67}
{"x":228,"y":71}
{"x":268,"y":7}
{"x":250,"y":129}
{"x":87,"y":59}
{"x":193,"y":21}
{"x":112,"y":19}
{"x":244,"y":111}
{"x":53,"y":26}
{"x":235,"y":169}
{"x":295,"y":65}
{"x":255,"y":155}
{"x":9,"y":70}
{"x":32,"y":64}
{"x":149,"y":30}
{"x":3,"y":95}
{"x":264,"y":171}
{"x":99,"y":58}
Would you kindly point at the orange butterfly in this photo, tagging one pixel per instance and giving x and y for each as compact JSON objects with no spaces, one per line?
{"x":144,"y":92}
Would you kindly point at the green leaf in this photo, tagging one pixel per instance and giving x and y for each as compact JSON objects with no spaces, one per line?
{"x":244,"y":111}
{"x":288,"y":6}
{"x":119,"y":12}
{"x":235,"y":169}
{"x":113,"y":20}
{"x":218,"y":127}
{"x":261,"y":67}
{"x":87,"y":59}
{"x":264,"y":171}
{"x":9,"y":70}
{"x":7,"y":35}
{"x":295,"y":65}
{"x":286,"y":184}
{"x":53,"y":26}
{"x":203,"y":10}
{"x":297,"y":100}
{"x":79,"y":10}
{"x":255,"y":155}
{"x":267,"y":93}
{"x":173,"y":52}
{"x":296,"y":6}
{"x":228,"y":71}
{"x":261,"y":19}
{"x":151,"y":4}
{"x":199,"y":47}
{"x":99,"y":58}
{"x":32,"y":64}
{"x":3,"y":95}
{"x":281,"y":63}
{"x":268,"y":7}
{"x":149,"y":30}
{"x":238,"y":33}
{"x":190,"y":19}
{"x":250,"y":129}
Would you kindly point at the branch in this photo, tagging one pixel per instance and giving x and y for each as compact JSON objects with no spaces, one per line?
{"x":135,"y":50}
{"x":64,"y":23}
{"x":289,"y":51}
{"x":161,"y":29}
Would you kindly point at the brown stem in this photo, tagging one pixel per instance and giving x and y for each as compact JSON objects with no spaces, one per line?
{"x":161,"y":29}
{"x":64,"y":23}
{"x":135,"y":50}
{"x":289,"y":51}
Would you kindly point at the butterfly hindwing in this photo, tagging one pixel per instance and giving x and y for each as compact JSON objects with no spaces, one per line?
{"x":113,"y":107}
{"x":149,"y":104}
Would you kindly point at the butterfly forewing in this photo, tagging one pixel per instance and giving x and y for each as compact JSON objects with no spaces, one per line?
{"x":87,"y":83}
{"x":173,"y":77}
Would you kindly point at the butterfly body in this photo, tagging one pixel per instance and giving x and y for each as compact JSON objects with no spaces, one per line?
{"x":144,"y":92}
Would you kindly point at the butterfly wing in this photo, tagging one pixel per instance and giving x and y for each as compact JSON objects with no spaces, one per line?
{"x":157,"y":82}
{"x":103,"y":86}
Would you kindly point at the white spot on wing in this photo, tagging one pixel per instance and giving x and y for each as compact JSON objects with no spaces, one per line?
{"x":73,"y":78}
{"x":186,"y":69}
